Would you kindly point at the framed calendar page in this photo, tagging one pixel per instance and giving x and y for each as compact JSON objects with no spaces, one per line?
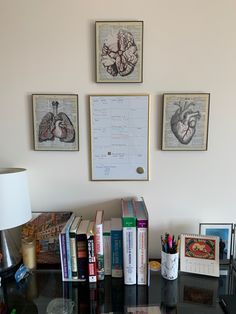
{"x":119,"y":137}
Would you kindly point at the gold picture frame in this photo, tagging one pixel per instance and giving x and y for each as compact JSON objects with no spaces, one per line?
{"x":119,"y":137}
{"x":119,"y":51}
{"x":55,"y":122}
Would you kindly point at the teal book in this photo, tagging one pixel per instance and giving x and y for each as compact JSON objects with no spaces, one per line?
{"x":116,"y":248}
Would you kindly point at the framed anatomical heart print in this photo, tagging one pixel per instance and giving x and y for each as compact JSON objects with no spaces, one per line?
{"x":55,"y":120}
{"x":119,"y":52}
{"x":185,"y":121}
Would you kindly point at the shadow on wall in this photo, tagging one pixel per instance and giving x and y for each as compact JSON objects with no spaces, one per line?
{"x":111,"y":209}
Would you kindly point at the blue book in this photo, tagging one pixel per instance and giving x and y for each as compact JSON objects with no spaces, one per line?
{"x":116,"y":248}
{"x":66,"y":230}
{"x":63,"y":255}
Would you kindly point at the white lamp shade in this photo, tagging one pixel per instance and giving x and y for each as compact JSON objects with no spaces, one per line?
{"x":15,"y":208}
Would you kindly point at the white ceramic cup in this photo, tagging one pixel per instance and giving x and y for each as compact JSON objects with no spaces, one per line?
{"x":169,"y":265}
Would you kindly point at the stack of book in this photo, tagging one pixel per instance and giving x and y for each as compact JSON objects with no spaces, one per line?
{"x":91,"y":250}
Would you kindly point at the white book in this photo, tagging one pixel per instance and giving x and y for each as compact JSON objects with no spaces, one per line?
{"x":73,"y":249}
{"x":107,"y":246}
{"x":129,"y":242}
{"x":99,"y":244}
{"x":142,"y":240}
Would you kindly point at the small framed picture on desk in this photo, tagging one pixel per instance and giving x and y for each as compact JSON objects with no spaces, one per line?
{"x":224,"y":232}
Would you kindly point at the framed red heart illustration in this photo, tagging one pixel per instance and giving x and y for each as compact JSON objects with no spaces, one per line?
{"x":185,"y":121}
{"x":55,"y":120}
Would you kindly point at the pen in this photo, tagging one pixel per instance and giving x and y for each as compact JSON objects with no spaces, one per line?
{"x":178,"y":243}
{"x":169,"y":244}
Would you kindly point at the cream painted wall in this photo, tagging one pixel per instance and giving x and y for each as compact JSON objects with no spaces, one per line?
{"x":189,"y":46}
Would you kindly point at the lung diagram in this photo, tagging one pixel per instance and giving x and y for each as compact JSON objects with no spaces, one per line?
{"x":119,"y":53}
{"x":184,"y":121}
{"x":56,"y":125}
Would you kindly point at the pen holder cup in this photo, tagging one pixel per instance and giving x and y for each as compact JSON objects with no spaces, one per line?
{"x":169,"y":265}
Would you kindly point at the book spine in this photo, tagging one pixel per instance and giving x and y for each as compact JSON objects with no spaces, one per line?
{"x":116,"y":254}
{"x":92,"y":267}
{"x":82,"y":257}
{"x":68,"y":253}
{"x":142,"y":241}
{"x":62,"y":241}
{"x":142,"y":258}
{"x":73,"y":252}
{"x":99,"y":251}
{"x":61,"y":258}
{"x":107,"y":252}
{"x":129,"y":242}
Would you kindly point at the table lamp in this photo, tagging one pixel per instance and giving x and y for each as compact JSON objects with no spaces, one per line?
{"x":15,"y":210}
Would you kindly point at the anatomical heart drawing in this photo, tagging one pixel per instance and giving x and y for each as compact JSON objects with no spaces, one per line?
{"x":119,"y":51}
{"x":55,"y":122}
{"x":185,"y":121}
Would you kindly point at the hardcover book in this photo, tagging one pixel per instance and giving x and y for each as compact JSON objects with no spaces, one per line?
{"x":82,"y":250}
{"x":99,"y":252}
{"x":129,"y":241}
{"x":73,"y":249}
{"x":116,"y":248}
{"x":66,"y":229}
{"x":92,"y":265}
{"x":141,"y":214}
{"x":107,"y":246}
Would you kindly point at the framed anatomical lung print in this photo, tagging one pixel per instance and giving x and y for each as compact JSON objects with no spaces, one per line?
{"x":185,"y":121}
{"x":55,"y":120}
{"x":119,"y":52}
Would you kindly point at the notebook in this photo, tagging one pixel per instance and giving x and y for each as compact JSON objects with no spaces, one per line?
{"x":228,"y":303}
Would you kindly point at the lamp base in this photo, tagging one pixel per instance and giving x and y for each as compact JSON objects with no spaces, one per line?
{"x":10,"y":256}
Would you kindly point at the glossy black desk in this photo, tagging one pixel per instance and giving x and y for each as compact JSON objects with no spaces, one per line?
{"x":188,"y":294}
